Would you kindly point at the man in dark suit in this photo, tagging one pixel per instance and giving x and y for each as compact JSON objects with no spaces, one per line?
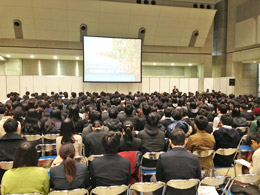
{"x":130,"y":117}
{"x":178,"y":164}
{"x":111,"y":169}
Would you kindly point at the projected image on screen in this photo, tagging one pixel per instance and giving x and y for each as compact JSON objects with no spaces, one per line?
{"x":112,"y":59}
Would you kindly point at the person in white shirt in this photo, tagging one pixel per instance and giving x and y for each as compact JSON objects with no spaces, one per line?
{"x":253,"y":139}
{"x":222,"y":109}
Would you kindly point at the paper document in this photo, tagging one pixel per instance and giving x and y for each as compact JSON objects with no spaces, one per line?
{"x":243,"y":162}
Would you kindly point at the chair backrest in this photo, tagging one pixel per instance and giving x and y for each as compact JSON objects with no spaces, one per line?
{"x":82,"y":159}
{"x":183,"y":184}
{"x":110,"y":190}
{"x":247,"y":178}
{"x":214,"y":181}
{"x":203,"y":153}
{"x":51,"y":136}
{"x":32,"y":138}
{"x":6,"y":165}
{"x":147,"y":186}
{"x":36,"y":193}
{"x":152,"y":155}
{"x":92,"y":157}
{"x":226,"y":151}
{"x":70,"y":192}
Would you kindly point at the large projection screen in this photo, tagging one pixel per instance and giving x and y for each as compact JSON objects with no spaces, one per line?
{"x":112,"y":60}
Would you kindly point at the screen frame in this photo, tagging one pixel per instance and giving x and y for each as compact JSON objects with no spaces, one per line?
{"x":141,"y":74}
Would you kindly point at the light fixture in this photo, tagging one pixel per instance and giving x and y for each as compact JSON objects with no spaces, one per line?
{"x":31,"y":56}
{"x":154,"y":63}
{"x":55,"y":57}
{"x":8,"y":55}
{"x":190,"y":64}
{"x":2,"y":58}
{"x":254,"y":61}
{"x":77,"y":58}
{"x":172,"y":64}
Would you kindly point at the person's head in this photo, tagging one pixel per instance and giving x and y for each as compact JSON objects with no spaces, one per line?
{"x":10,"y":125}
{"x":177,"y":137}
{"x":112,"y":113}
{"x":253,"y":140}
{"x":32,"y":115}
{"x":18,"y":112}
{"x":94,"y":115}
{"x":256,"y":111}
{"x":153,"y":118}
{"x":177,"y":114}
{"x":235,"y":112}
{"x":74,"y":111}
{"x":67,"y":153}
{"x":127,"y":129}
{"x":201,"y":123}
{"x":25,"y":155}
{"x":146,"y":109}
{"x":56,"y":114}
{"x":222,"y":108}
{"x":111,"y":142}
{"x":129,"y":109}
{"x":168,"y":112}
{"x":226,"y":120}
{"x":67,"y":131}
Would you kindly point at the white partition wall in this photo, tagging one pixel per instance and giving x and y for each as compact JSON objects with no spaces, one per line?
{"x":165,"y":85}
{"x":124,"y":88}
{"x":174,"y":81}
{"x":193,"y":85}
{"x":154,"y":85}
{"x":112,"y":87}
{"x":216,"y":84}
{"x":146,"y":85}
{"x":53,"y":84}
{"x":26,"y":84}
{"x":12,"y":84}
{"x":40,"y":84}
{"x":77,"y":84}
{"x":208,"y":84}
{"x":134,"y":87}
{"x":184,"y":85}
{"x":65,"y":84}
{"x":3,"y":88}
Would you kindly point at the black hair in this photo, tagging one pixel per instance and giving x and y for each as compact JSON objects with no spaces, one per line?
{"x":128,"y":128}
{"x":10,"y":125}
{"x":153,"y":118}
{"x":201,"y":122}
{"x":235,"y":112}
{"x":253,"y":136}
{"x":223,"y":108}
{"x":112,"y":113}
{"x":111,"y":142}
{"x":146,"y":109}
{"x":67,"y":131}
{"x":177,"y":136}
{"x":226,"y":119}
{"x":25,"y":155}
{"x":129,"y":109}
{"x":168,"y":112}
{"x":31,"y":123}
{"x":177,"y":114}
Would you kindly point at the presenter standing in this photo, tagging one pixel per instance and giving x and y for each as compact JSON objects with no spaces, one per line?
{"x":175,"y":90}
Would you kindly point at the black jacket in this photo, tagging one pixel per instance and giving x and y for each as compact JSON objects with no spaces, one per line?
{"x":93,"y":142}
{"x":111,"y":169}
{"x":8,"y":145}
{"x":248,"y":115}
{"x":225,"y":138}
{"x":58,"y":180}
{"x":133,"y":119}
{"x":113,"y":124}
{"x":178,"y":164}
{"x":134,"y":146}
{"x":152,"y":139}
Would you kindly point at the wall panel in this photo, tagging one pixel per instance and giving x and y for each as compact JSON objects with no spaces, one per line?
{"x":154,"y":85}
{"x":216,"y":84}
{"x":65,"y":84}
{"x":13,"y":84}
{"x":3,"y":88}
{"x":123,"y":88}
{"x":77,"y":84}
{"x":223,"y":84}
{"x":26,"y":84}
{"x":184,"y":85}
{"x":146,"y":85}
{"x":112,"y":87}
{"x":208,"y":84}
{"x":40,"y":84}
{"x":193,"y":85}
{"x":174,"y":81}
{"x":165,"y":85}
{"x":53,"y":84}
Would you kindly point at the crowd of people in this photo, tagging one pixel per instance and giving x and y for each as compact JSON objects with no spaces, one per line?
{"x":111,"y":123}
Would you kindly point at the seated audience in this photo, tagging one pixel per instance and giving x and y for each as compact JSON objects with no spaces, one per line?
{"x":113,"y":123}
{"x":128,"y":142}
{"x":221,"y":109}
{"x":152,"y":138}
{"x":167,"y":118}
{"x":69,"y":174}
{"x":111,"y":169}
{"x":226,"y":137}
{"x":32,"y":125}
{"x":201,"y":140}
{"x":130,"y":117}
{"x":178,"y":164}
{"x":53,"y":124}
{"x":246,"y":113}
{"x":253,"y":140}
{"x":25,"y":176}
{"x":238,"y":121}
{"x":93,"y":140}
{"x":75,"y":118}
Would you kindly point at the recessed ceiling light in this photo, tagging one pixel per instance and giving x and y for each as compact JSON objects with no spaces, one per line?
{"x":77,"y":58}
{"x":172,"y":64}
{"x":8,"y":55}
{"x":55,"y":57}
{"x":31,"y":56}
{"x":154,"y":63}
{"x":190,"y":64}
{"x":254,"y":61}
{"x":2,"y":58}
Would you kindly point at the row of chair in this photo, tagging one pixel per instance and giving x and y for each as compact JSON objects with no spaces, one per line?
{"x":149,"y":187}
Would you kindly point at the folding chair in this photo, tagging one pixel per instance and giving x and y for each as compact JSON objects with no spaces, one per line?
{"x":182,"y":184}
{"x":110,"y":190}
{"x":146,"y":187}
{"x":45,"y":163}
{"x":144,"y":170}
{"x":82,"y":159}
{"x":70,"y":192}
{"x":92,"y":157}
{"x":36,"y":193}
{"x":204,"y":156}
{"x":215,"y":181}
{"x":225,"y":170}
{"x":32,"y":138}
{"x":6,"y":165}
{"x":246,"y":179}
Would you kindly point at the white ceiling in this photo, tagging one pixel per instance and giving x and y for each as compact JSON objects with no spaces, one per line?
{"x":60,"y":20}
